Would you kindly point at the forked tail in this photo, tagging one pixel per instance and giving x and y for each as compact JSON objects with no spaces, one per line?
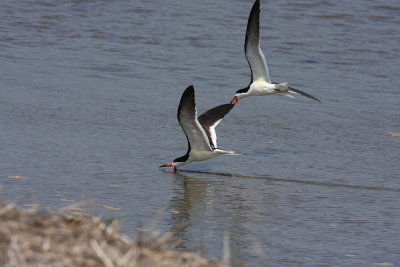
{"x":282,"y":86}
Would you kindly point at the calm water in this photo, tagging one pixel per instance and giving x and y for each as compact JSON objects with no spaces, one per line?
{"x":88,"y":98}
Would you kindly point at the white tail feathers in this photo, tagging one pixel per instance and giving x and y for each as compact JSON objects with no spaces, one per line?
{"x":286,"y":93}
{"x":282,"y":86}
{"x":220,"y":151}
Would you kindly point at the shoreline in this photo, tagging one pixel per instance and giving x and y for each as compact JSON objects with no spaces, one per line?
{"x":29,"y":237}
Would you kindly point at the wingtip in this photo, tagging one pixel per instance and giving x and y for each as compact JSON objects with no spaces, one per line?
{"x":190,"y":87}
{"x":257,"y":3}
{"x":316,"y":99}
{"x":255,"y":11}
{"x":296,"y":91}
{"x":187,"y":100}
{"x":188,"y":90}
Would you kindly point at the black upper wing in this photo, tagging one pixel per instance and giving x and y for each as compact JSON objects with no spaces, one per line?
{"x":297,"y":91}
{"x":210,"y":119}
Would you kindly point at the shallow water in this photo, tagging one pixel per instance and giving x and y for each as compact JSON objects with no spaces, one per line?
{"x":88,"y":98}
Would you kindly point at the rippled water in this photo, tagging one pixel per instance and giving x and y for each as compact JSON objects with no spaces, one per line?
{"x":88,"y":98}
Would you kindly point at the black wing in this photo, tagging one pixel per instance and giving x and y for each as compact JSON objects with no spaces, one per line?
{"x":296,"y":91}
{"x":210,"y":119}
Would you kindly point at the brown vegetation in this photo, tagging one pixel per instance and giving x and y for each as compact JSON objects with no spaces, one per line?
{"x":32,"y":238}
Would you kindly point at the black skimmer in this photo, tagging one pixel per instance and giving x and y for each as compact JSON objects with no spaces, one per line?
{"x":260,"y":83}
{"x":199,"y":131}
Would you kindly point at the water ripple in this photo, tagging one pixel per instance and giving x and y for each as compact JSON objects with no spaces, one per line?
{"x":317,"y":183}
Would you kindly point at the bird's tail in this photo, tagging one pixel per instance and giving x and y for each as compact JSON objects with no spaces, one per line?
{"x":283,"y":86}
{"x":286,"y":93}
{"x":220,"y":151}
{"x":284,"y":89}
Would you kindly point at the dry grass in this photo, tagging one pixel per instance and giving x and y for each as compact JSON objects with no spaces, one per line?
{"x":32,"y":238}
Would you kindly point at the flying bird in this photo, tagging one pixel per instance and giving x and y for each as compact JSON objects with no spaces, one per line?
{"x":199,"y":131}
{"x":260,"y":83}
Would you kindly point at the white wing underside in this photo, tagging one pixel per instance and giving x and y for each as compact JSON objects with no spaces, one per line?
{"x":200,"y":131}
{"x":257,"y":62}
{"x":194,"y":132}
{"x":254,"y":55}
{"x":213,"y":134}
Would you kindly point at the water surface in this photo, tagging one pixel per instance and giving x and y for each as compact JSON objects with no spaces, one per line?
{"x":88,"y":98}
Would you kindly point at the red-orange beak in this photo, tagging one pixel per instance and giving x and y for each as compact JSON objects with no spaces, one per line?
{"x":234,"y":100}
{"x":167,"y":165}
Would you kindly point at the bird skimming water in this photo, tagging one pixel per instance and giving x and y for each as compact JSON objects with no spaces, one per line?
{"x":199,"y":131}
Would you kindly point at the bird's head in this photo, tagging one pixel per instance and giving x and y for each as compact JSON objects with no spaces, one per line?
{"x":242,"y":93}
{"x":176,"y":163}
{"x":169,"y":165}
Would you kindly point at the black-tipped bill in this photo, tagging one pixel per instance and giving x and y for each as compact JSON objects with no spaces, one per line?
{"x":167,"y":165}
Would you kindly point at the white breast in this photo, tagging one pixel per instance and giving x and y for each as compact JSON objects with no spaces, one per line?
{"x":261,"y":87}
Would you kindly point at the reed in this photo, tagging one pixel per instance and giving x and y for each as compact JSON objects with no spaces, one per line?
{"x":64,"y":237}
